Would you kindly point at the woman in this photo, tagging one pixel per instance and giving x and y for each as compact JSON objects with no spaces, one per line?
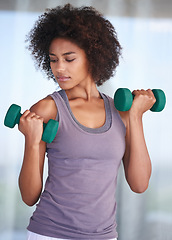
{"x":79,"y":49}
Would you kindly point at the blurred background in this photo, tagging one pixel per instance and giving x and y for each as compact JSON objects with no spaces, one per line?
{"x":145,"y":32}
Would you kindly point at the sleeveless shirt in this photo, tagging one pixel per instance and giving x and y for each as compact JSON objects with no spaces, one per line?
{"x":78,"y":201}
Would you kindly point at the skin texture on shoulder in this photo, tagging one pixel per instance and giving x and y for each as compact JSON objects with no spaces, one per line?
{"x":46,"y":108}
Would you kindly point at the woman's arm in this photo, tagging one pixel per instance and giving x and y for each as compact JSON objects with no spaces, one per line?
{"x":137,"y":163}
{"x":31,"y":175}
{"x":31,"y":125}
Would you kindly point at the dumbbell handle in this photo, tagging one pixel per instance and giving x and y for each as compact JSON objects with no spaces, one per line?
{"x":45,"y":136}
{"x":18,"y":120}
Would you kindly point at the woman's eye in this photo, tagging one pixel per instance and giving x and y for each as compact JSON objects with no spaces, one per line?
{"x":53,"y":60}
{"x":70,"y":60}
{"x":67,"y":60}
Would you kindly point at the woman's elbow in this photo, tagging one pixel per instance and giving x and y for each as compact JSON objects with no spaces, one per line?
{"x":29,"y":202}
{"x":29,"y":198}
{"x":139,"y":188}
{"x":29,"y":195}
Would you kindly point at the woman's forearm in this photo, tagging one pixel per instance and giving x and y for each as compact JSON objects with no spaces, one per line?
{"x":30,"y":178}
{"x":137,"y":162}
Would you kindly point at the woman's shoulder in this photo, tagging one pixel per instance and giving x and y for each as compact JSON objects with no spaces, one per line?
{"x":45,"y":108}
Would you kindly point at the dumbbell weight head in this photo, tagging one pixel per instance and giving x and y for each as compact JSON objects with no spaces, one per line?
{"x":123,"y":99}
{"x":13,"y":116}
{"x":160,"y":100}
{"x":50,"y":130}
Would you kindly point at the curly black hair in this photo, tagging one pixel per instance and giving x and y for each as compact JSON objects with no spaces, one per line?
{"x":85,"y":27}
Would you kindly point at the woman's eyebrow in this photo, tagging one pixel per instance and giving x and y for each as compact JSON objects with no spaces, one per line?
{"x":64,"y":54}
{"x":68,"y":53}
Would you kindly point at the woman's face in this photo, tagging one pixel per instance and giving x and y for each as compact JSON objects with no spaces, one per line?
{"x":68,"y":63}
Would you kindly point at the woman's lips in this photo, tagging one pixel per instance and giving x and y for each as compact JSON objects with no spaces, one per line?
{"x":63,"y":78}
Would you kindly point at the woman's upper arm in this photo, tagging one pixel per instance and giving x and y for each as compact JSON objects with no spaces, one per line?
{"x":125,"y":119}
{"x":45,"y":108}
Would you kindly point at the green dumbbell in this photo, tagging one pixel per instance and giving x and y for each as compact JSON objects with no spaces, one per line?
{"x":123,"y":99}
{"x":13,"y":117}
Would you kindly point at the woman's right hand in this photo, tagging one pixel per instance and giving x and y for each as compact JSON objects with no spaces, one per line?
{"x":31,"y":125}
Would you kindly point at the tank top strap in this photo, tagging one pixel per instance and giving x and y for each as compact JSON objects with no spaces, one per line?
{"x":58,"y":97}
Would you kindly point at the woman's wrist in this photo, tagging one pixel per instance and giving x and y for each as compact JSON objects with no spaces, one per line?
{"x":29,"y":143}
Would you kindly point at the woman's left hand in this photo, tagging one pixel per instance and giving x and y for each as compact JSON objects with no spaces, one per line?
{"x":143,"y":101}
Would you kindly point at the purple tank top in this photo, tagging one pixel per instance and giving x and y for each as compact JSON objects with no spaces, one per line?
{"x":78,"y":201}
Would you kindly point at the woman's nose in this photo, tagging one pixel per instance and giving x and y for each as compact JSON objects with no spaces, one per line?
{"x":60,"y":67}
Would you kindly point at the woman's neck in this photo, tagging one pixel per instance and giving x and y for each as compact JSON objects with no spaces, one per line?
{"x":86,"y":92}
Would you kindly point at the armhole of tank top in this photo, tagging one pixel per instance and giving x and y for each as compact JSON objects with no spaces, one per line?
{"x":55,"y":100}
{"x":116,"y":113}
